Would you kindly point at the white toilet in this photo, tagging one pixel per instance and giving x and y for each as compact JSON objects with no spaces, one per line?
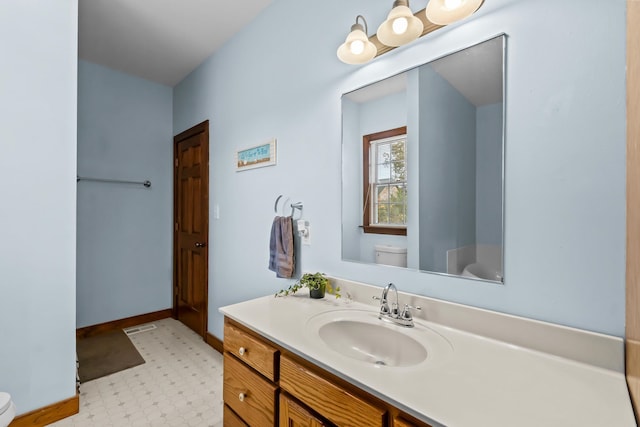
{"x":391,"y":255}
{"x":7,"y":409}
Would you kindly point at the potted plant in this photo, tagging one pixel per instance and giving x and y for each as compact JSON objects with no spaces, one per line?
{"x":318,"y":284}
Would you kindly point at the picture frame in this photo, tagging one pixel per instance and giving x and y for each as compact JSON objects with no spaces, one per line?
{"x":256,"y":156}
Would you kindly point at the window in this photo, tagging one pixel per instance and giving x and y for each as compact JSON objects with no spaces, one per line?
{"x":385,"y":182}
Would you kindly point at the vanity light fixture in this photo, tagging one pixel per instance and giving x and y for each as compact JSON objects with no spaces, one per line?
{"x":357,"y":49}
{"x":445,"y":12}
{"x":401,"y":26}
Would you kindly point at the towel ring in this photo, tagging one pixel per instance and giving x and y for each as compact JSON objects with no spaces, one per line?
{"x":294,"y":206}
{"x":275,"y":207}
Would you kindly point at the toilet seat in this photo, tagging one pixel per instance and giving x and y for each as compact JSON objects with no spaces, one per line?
{"x":5,"y":401}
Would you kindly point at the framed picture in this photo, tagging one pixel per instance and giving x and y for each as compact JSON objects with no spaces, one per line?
{"x":257,"y":156}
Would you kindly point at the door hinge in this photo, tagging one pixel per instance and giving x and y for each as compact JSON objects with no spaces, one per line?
{"x":176,"y":227}
{"x":176,"y":162}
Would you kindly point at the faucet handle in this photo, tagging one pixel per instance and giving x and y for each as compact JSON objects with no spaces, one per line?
{"x":384,"y":306}
{"x":384,"y":309}
{"x":406,"y":311}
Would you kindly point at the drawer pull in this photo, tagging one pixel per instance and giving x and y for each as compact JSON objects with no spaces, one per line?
{"x":241,"y":397}
{"x":242,"y":351}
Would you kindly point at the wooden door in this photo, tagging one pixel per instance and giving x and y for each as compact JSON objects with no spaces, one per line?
{"x":191,"y":227}
{"x":294,"y":415}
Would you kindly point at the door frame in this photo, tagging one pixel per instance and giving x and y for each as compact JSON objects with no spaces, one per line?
{"x":632,"y":325}
{"x":199,"y":128}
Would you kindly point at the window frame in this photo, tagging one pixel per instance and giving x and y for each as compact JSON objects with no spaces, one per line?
{"x":366,"y":193}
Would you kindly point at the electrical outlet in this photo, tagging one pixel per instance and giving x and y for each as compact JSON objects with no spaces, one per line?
{"x":306,"y":239}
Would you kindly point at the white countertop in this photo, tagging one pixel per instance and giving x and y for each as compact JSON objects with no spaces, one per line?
{"x":479,"y":382}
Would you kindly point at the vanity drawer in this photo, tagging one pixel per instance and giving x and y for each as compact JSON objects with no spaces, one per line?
{"x":251,"y":397}
{"x":231,"y":419}
{"x":331,"y":401}
{"x":401,"y":422}
{"x":251,"y":350}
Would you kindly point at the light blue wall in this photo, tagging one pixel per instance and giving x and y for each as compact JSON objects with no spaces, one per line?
{"x":382,"y":114}
{"x":124,"y":231}
{"x":351,"y":180}
{"x":447,"y":170}
{"x":413,"y":168}
{"x":38,"y":81}
{"x":489,"y":174}
{"x":565,"y":151}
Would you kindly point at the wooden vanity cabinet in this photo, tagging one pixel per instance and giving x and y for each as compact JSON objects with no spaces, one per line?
{"x":294,"y":415}
{"x":250,"y":393}
{"x":231,"y":419}
{"x":265,"y":385}
{"x":250,"y":396}
{"x":252,"y":350}
{"x":332,"y":401}
{"x":401,"y":422}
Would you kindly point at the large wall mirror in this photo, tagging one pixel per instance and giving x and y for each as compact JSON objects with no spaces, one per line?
{"x":423,"y":166}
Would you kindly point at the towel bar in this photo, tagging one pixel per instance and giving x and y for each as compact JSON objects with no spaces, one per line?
{"x":116,"y":181}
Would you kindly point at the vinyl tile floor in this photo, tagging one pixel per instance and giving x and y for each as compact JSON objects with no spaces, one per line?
{"x":180,"y":384}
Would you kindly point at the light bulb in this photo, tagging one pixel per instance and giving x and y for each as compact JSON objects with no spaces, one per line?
{"x":452,"y":4}
{"x":356,"y":47}
{"x":445,"y":12}
{"x":400,"y":25}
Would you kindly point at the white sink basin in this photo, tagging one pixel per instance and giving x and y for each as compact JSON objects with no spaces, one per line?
{"x":372,"y":343}
{"x":361,"y":336}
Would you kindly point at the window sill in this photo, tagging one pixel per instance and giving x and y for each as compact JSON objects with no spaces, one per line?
{"x":396,"y":231}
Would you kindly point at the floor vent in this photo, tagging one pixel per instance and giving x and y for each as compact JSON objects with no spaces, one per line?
{"x":137,"y":329}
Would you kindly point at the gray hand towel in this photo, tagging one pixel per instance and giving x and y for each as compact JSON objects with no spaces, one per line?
{"x":275,"y":231}
{"x":285,"y":254}
{"x":281,"y":258}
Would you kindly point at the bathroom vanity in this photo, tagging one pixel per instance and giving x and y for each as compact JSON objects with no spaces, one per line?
{"x":265,"y":384}
{"x":290,"y":361}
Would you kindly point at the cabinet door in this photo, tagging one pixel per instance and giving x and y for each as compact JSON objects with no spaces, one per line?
{"x":294,"y":415}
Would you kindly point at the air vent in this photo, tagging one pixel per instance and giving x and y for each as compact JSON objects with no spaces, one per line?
{"x":137,"y":329}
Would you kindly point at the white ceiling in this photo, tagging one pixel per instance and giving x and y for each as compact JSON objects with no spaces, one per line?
{"x":475,"y":72}
{"x":393,"y":84}
{"x":159,"y":40}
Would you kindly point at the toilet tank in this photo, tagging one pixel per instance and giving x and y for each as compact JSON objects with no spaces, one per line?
{"x":391,"y":255}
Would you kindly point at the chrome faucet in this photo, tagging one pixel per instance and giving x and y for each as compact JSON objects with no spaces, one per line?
{"x":391,"y":314}
{"x":384,"y":302}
